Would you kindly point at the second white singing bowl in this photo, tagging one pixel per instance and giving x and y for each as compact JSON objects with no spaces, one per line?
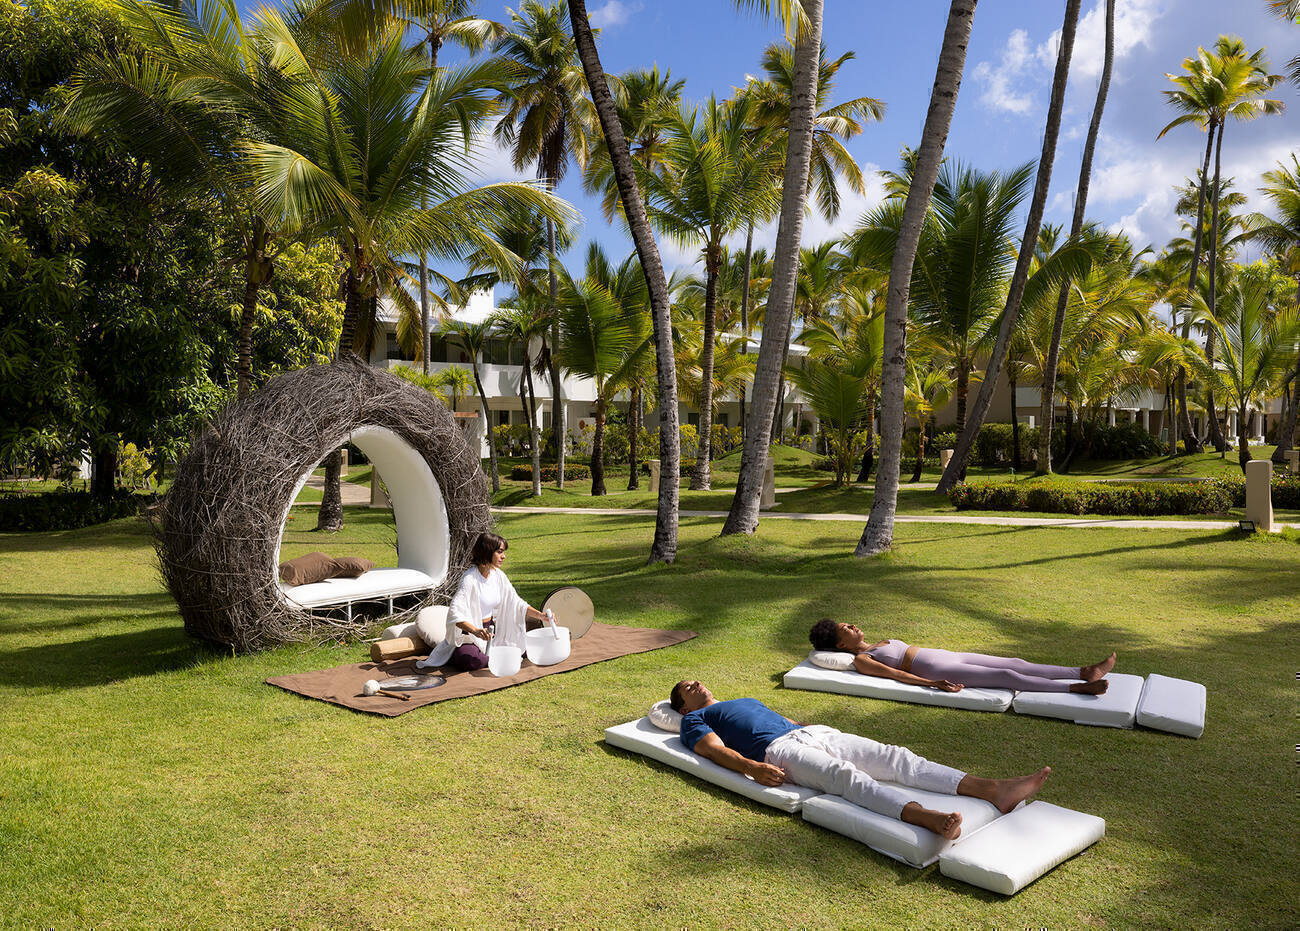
{"x":545,"y":648}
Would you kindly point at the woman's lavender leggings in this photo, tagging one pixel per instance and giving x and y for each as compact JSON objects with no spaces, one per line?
{"x":992,"y":672}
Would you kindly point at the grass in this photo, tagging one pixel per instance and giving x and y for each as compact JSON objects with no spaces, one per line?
{"x":150,"y":781}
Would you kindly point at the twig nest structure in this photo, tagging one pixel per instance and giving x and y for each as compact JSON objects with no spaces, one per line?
{"x":218,"y":528}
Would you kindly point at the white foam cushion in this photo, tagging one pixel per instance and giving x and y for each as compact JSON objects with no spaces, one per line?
{"x":642,"y":737}
{"x":1174,"y":705}
{"x":908,"y":843}
{"x":1016,"y":849}
{"x":831,"y":659}
{"x":376,"y":584}
{"x":664,"y":717}
{"x":431,"y":624}
{"x":1117,"y":708}
{"x":406,"y":629}
{"x":808,"y":676}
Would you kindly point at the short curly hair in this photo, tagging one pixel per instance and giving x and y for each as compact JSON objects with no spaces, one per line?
{"x":825,"y":634}
{"x":676,"y":700}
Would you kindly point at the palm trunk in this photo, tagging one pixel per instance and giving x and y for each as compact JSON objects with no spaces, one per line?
{"x":1015,"y":423}
{"x":557,"y":400}
{"x":1011,"y":314}
{"x":744,"y":315}
{"x":920,"y":450}
{"x":743,"y":515}
{"x":1047,"y":408}
{"x":664,"y":548}
{"x":329,"y":516}
{"x":258,"y":269}
{"x":1215,"y":436}
{"x":598,"y":451}
{"x":963,"y":392}
{"x":634,"y":438}
{"x":1171,"y":406}
{"x":424,"y":312}
{"x":1286,"y":429}
{"x":878,"y":534}
{"x":704,"y":451}
{"x":864,"y":473}
{"x":1182,"y":415}
{"x":103,"y":471}
{"x":534,"y":432}
{"x":487,"y":425}
{"x":1243,"y":438}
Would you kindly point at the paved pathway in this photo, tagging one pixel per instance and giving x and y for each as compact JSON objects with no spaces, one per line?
{"x":352,"y":494}
{"x":1137,"y":524}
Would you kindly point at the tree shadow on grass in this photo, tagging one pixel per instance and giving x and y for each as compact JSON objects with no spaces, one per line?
{"x":63,"y":611}
{"x":101,"y":660}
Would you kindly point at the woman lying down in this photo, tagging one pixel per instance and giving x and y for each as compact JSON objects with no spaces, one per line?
{"x":950,"y":672}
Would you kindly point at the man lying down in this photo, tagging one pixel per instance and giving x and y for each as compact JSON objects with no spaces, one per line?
{"x":746,"y":736}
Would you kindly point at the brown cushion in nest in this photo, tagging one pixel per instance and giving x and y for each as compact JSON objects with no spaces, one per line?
{"x":314,"y":567}
{"x":350,"y":567}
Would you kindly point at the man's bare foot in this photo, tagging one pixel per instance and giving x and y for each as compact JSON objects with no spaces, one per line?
{"x":1008,"y":793}
{"x":1090,"y":688}
{"x":1097,"y":670}
{"x":946,"y":824}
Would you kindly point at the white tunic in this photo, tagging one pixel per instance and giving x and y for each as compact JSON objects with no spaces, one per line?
{"x":478,"y":598}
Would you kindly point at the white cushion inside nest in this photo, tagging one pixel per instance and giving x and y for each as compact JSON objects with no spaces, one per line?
{"x":814,"y":678}
{"x":1174,"y":705}
{"x":1117,"y":708}
{"x":905,"y":842}
{"x":642,"y":737}
{"x":1017,"y":848}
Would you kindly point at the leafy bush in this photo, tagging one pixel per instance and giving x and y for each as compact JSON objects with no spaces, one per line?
{"x":1286,"y":490}
{"x":689,"y":437}
{"x":725,"y":439}
{"x":66,"y":510}
{"x":994,"y":444}
{"x":945,"y":440}
{"x":616,"y":445}
{"x":572,"y":472}
{"x":1142,"y":498}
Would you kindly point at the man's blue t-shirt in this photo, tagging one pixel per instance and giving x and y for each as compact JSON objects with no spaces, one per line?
{"x":746,"y":725}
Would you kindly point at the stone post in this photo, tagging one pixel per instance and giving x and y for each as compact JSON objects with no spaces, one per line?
{"x":945,"y":456}
{"x":1292,"y":461}
{"x":343,"y":464}
{"x":1259,"y":493}
{"x":378,"y":499}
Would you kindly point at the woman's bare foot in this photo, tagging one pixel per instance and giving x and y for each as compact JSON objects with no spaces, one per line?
{"x":1089,"y":688}
{"x":1008,"y":793}
{"x":946,"y":824}
{"x":1097,"y":670}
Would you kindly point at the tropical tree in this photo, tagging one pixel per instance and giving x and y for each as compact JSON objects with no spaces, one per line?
{"x":929,"y":388}
{"x":664,"y":548}
{"x":1215,"y":86}
{"x":1259,"y":342}
{"x":956,"y":468}
{"x":526,"y":323}
{"x":458,"y":381}
{"x":716,"y":176}
{"x":544,"y":123}
{"x":878,"y":534}
{"x":1290,"y":11}
{"x":1280,"y":235}
{"x":603,"y":336}
{"x":837,"y":396}
{"x":807,"y":28}
{"x":1047,"y":393}
{"x":474,"y":336}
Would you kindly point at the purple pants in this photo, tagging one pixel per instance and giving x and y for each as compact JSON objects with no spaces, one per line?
{"x":992,"y":672}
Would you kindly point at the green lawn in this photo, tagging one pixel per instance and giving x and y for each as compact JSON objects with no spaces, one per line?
{"x":148,"y":781}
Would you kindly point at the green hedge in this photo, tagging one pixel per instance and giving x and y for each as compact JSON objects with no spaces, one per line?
{"x":1145,"y":498}
{"x":572,"y":472}
{"x":1286,"y":490}
{"x":66,"y":510}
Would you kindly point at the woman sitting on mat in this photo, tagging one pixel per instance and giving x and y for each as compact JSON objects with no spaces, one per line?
{"x":950,"y":672}
{"x":486,"y":607}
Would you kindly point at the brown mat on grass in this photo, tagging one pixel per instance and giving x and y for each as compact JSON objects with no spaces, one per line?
{"x":342,"y":684}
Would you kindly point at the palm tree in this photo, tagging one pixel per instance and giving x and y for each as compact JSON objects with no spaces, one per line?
{"x":1259,"y":343}
{"x":1280,"y":235}
{"x":526,"y":323}
{"x":1290,"y":11}
{"x":715,"y":178}
{"x":743,"y":516}
{"x":1047,"y":409}
{"x":664,"y":548}
{"x":929,"y":387}
{"x":186,"y":98}
{"x":456,"y":380}
{"x":1216,"y":85}
{"x":603,"y":337}
{"x":1015,"y":293}
{"x":544,"y":122}
{"x":837,"y":396}
{"x":878,"y":534}
{"x":474,"y":336}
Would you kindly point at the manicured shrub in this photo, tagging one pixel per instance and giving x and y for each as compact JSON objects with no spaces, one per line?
{"x":1286,"y":490}
{"x":66,"y":510}
{"x":572,"y":472}
{"x":1142,"y":498}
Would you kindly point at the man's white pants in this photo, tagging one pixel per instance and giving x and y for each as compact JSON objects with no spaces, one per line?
{"x":847,"y":765}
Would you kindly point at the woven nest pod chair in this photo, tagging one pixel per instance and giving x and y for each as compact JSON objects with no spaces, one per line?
{"x":218,"y":529}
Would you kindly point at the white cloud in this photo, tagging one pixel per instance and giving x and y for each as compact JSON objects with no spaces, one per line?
{"x":614,"y":13}
{"x":1026,"y":69}
{"x":493,"y":163}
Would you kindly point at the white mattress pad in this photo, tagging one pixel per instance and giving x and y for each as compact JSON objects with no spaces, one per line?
{"x":1117,"y":708}
{"x":817,"y":679}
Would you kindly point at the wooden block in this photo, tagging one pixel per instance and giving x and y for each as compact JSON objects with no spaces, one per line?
{"x":397,"y":648}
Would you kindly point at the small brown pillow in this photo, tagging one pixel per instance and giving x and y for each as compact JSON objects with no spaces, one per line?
{"x":314,"y":567}
{"x":350,"y":567}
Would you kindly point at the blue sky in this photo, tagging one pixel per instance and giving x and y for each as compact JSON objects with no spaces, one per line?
{"x":1003,"y":100}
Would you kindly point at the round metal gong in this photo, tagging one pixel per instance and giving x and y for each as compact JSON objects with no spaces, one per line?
{"x":572,"y":608}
